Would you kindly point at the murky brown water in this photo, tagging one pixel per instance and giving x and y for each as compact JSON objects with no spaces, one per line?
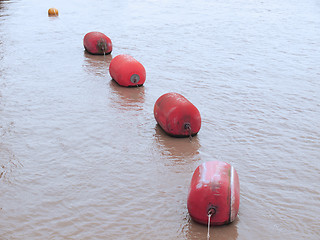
{"x":82,"y":158}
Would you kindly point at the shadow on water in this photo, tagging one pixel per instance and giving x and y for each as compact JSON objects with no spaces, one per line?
{"x":194,"y":231}
{"x":97,"y":64}
{"x":179,"y":149}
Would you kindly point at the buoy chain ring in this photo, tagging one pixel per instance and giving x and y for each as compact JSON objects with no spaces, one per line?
{"x":135,"y":78}
{"x":187,"y":126}
{"x":211,"y":211}
{"x":102,"y":44}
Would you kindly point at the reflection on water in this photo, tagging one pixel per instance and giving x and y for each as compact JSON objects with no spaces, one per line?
{"x":181,"y":150}
{"x":2,"y":4}
{"x":127,"y":97}
{"x":97,"y":64}
{"x":195,"y":231}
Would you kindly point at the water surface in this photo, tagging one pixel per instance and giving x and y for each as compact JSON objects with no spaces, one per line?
{"x":82,"y":158}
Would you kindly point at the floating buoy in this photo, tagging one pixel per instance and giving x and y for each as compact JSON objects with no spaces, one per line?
{"x":127,"y":71}
{"x":97,"y":43}
{"x":53,"y":12}
{"x":214,"y":191}
{"x":176,"y":115}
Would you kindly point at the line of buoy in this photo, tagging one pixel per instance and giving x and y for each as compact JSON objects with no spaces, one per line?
{"x":214,"y":192}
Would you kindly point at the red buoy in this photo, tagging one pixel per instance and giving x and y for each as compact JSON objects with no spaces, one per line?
{"x":97,"y":43}
{"x":127,"y":71}
{"x":176,"y":115}
{"x":214,"y":190}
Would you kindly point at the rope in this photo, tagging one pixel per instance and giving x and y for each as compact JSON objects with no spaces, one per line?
{"x":208,"y":234}
{"x":211,"y":212}
{"x":66,"y":25}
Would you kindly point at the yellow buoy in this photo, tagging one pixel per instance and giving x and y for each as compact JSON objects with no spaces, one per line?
{"x":52,"y":12}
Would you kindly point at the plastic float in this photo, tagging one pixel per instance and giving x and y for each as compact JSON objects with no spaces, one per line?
{"x":97,"y":43}
{"x":127,"y":71}
{"x":215,"y":192}
{"x":176,"y":115}
{"x":53,"y":12}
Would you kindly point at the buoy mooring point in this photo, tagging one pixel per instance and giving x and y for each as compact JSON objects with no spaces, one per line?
{"x":127,"y":71}
{"x":53,"y":12}
{"x":97,"y":43}
{"x":214,"y":191}
{"x":176,"y":115}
